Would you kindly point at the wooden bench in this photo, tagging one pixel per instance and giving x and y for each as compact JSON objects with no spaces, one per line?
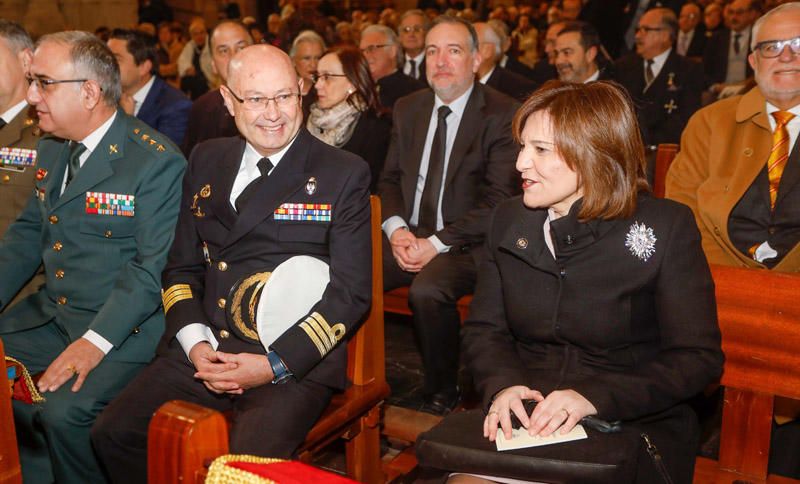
{"x":183,"y":438}
{"x":760,"y":322}
{"x":10,"y":470}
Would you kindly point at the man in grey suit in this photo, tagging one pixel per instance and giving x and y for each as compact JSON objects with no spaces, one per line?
{"x":451,"y":159}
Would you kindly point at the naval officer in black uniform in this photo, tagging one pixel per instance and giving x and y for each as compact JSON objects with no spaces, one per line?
{"x":232,"y":224}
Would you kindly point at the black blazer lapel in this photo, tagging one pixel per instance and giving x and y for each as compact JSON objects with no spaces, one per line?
{"x":286,"y":178}
{"x":419,"y":131}
{"x":525,"y":240}
{"x":467,"y":132}
{"x":225,"y":174}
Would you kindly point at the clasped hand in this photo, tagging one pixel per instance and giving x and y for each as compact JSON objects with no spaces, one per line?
{"x":410,"y":252}
{"x":228,"y":372}
{"x":561,"y":409}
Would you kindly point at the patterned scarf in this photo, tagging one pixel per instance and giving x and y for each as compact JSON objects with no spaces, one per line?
{"x":335,"y":125}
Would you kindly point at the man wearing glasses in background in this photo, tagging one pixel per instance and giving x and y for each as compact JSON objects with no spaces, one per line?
{"x":739,"y":171}
{"x":233,"y":222}
{"x":413,"y":26}
{"x":100,"y":220}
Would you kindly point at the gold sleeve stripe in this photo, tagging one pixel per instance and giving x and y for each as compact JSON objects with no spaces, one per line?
{"x":323,"y":336}
{"x":335,"y":334}
{"x":314,"y":338}
{"x":174,"y":294}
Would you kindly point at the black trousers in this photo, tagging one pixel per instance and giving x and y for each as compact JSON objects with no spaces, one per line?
{"x":432,"y":296}
{"x":269,"y":421}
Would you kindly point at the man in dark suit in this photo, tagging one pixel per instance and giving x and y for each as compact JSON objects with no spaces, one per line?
{"x":411,"y":30}
{"x":144,"y":94}
{"x":249,"y":205}
{"x":489,"y":73}
{"x":19,"y":133}
{"x":691,"y":41}
{"x":380,"y":47}
{"x":209,"y":118}
{"x":451,"y":159}
{"x":665,"y":87}
{"x":633,"y":12}
{"x":545,"y":69}
{"x":506,"y":61}
{"x":725,"y":54}
{"x":578,"y":54}
{"x":100,"y":220}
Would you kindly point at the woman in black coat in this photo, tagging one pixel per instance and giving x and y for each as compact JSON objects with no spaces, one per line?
{"x":346,"y":112}
{"x":596,"y":299}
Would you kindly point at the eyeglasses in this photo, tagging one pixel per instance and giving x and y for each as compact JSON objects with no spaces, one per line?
{"x":413,"y":28}
{"x":372,"y":48}
{"x":258,"y":103}
{"x":770,"y":49}
{"x":647,"y":30}
{"x":324,"y":77}
{"x":43,"y":84}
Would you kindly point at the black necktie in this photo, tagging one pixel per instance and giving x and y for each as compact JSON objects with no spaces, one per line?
{"x":2,"y":123}
{"x":429,"y":204}
{"x":648,"y":74}
{"x":413,"y":71}
{"x":264,"y":166}
{"x":736,"y":46}
{"x":76,"y":150}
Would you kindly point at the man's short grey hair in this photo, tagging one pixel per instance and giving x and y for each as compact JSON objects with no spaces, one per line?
{"x":426,"y":22}
{"x":15,"y":36}
{"x":391,"y":38}
{"x":490,"y":35}
{"x":91,"y":59}
{"x":307,"y":36}
{"x":500,"y":27}
{"x":786,"y":7}
{"x":669,"y":21}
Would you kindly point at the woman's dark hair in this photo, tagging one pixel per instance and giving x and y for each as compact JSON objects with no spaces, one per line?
{"x":596,"y":133}
{"x":355,"y":67}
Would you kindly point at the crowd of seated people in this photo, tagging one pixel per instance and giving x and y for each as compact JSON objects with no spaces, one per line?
{"x":308,"y":111}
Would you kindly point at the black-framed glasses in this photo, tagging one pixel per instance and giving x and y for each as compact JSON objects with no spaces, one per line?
{"x":324,"y":76}
{"x":770,"y":49}
{"x":372,"y":48}
{"x":647,"y":30}
{"x":413,"y":28}
{"x":43,"y":84}
{"x":258,"y":103}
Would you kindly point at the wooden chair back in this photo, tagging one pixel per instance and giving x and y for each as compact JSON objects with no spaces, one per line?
{"x":183,"y":437}
{"x":10,"y":470}
{"x":760,"y":323}
{"x":664,"y":155}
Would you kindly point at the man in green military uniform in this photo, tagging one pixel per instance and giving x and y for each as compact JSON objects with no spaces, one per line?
{"x":18,"y":131}
{"x":101,"y":221}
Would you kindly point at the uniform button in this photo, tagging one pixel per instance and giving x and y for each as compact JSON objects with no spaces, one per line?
{"x":6,"y":178}
{"x":569,"y":240}
{"x":61,"y":300}
{"x":58,"y":246}
{"x":54,"y":219}
{"x":716,"y":230}
{"x":60,"y":274}
{"x":108,"y":234}
{"x":221,"y":303}
{"x":136,"y":330}
{"x":224,"y":334}
{"x":563,"y":272}
{"x":222,"y":266}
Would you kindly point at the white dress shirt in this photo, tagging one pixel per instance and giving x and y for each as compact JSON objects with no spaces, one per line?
{"x":658,"y":62}
{"x":418,"y":60}
{"x":684,"y":41}
{"x":141,"y":95}
{"x":453,"y":121}
{"x":12,"y":113}
{"x":194,"y":333}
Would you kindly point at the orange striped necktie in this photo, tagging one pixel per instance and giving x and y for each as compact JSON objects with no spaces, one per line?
{"x":779,"y":154}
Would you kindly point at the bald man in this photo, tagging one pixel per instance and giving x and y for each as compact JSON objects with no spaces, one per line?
{"x":230,"y":227}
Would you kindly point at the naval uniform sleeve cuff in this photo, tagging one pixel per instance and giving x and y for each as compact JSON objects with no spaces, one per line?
{"x":97,"y":340}
{"x":391,"y":224}
{"x":194,"y":333}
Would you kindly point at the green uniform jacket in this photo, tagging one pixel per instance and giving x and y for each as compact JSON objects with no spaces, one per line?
{"x":16,"y":182}
{"x":103,"y":271}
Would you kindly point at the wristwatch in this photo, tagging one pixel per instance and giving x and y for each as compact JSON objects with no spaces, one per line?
{"x":280,"y":373}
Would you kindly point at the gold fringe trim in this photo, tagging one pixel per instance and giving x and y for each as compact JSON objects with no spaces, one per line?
{"x":35,"y":395}
{"x":221,"y":473}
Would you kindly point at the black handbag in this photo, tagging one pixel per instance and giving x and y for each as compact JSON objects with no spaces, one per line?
{"x":627,"y":455}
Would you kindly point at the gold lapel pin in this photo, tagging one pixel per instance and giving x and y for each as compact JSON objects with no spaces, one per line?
{"x":311,"y":185}
{"x":522,"y":243}
{"x":205,"y":192}
{"x":160,"y":148}
{"x":112,"y":149}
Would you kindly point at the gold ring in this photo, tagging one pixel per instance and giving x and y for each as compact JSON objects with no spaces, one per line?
{"x":72,"y":369}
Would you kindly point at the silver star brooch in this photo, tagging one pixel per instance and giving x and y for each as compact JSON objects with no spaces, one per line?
{"x":641,"y":241}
